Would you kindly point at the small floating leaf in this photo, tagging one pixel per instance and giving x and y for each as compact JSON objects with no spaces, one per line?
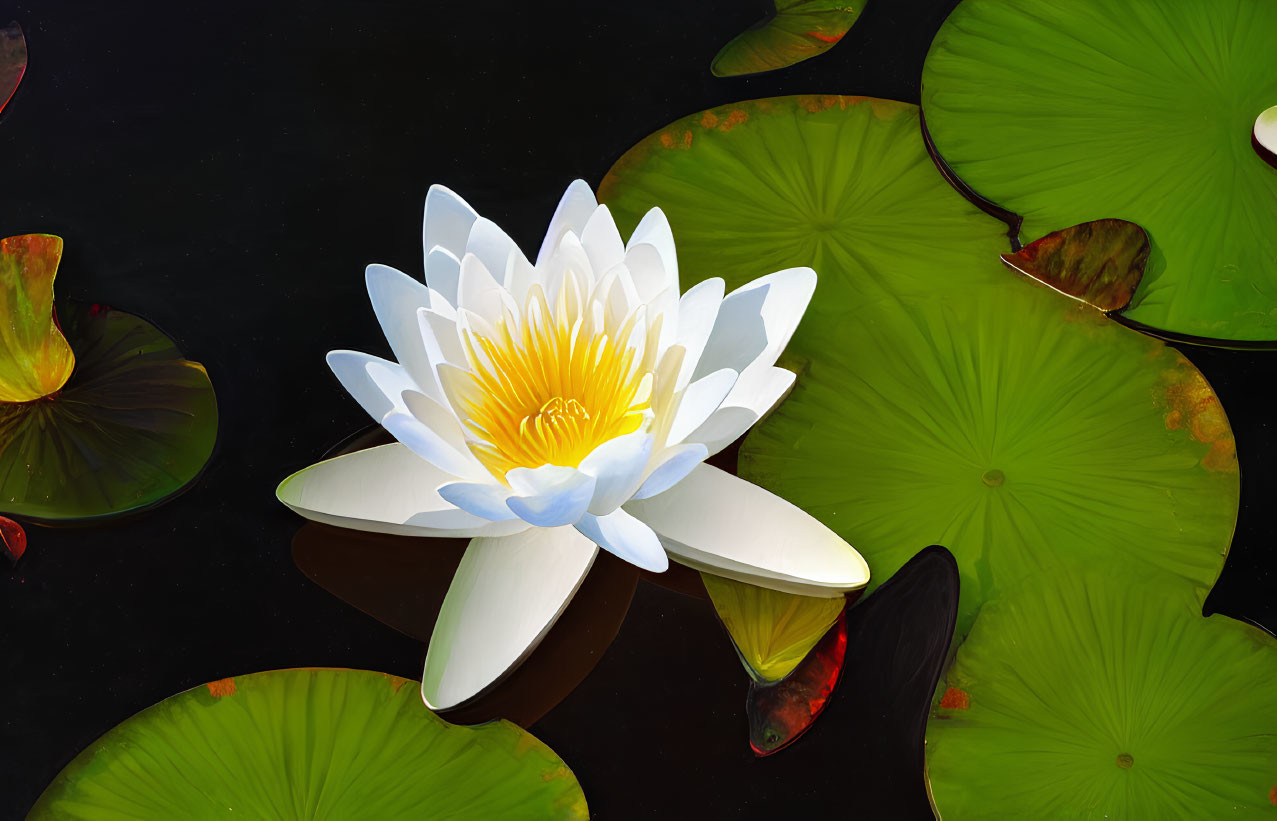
{"x":13,"y":540}
{"x":13,"y":61}
{"x":798,"y":30}
{"x":1098,"y":262}
{"x":35,"y":359}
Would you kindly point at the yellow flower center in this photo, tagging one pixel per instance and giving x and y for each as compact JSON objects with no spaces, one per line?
{"x":545,"y":388}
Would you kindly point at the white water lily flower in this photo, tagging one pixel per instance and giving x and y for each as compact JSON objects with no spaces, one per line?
{"x":548,"y":410}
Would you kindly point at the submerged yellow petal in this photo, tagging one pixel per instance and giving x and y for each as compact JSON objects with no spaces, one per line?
{"x":35,"y":359}
{"x":773,"y":631}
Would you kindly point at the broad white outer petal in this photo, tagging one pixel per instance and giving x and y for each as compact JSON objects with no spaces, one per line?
{"x":478,"y":291}
{"x":351,"y":370}
{"x":575,"y":207}
{"x":506,"y":595}
{"x":447,"y":221}
{"x":551,"y":495}
{"x":721,"y":524}
{"x":756,"y":321}
{"x":617,"y":467}
{"x":492,"y":246}
{"x":386,"y":489}
{"x":701,"y":399}
{"x":443,"y":272}
{"x":670,"y":467}
{"x":654,"y":230}
{"x":396,"y":297}
{"x":697,"y":311}
{"x":755,"y":393}
{"x":627,"y":538}
{"x":432,"y":432}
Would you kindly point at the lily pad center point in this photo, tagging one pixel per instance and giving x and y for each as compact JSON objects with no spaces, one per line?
{"x":993,"y":477}
{"x":1125,"y":760}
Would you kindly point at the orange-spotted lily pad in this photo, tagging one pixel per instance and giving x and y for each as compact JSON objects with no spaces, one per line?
{"x":35,"y":359}
{"x":133,"y":425}
{"x":13,"y":61}
{"x":310,"y":743}
{"x":1098,"y":262}
{"x":794,"y":31}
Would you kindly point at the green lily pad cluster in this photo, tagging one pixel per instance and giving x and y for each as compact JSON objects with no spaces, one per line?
{"x":945,"y":398}
{"x":310,"y":743}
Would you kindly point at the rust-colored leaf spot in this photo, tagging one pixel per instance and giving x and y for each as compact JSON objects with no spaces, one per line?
{"x":1272,"y":795}
{"x":709,"y":120}
{"x":222,"y":687}
{"x":1099,"y":262}
{"x":826,"y":38}
{"x":1190,"y":404}
{"x":13,"y":540}
{"x":955,"y":699}
{"x":734,"y":119}
{"x":687,"y":139}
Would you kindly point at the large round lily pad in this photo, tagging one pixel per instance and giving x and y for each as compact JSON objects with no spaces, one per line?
{"x":943,"y":398}
{"x":305,"y":744}
{"x":133,"y":425}
{"x":1139,"y":109}
{"x":1089,"y":696}
{"x":796,"y":30}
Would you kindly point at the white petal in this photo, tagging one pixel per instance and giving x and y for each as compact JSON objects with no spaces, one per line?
{"x":701,"y":399}
{"x":719,"y":523}
{"x":627,"y":538}
{"x":575,"y":207}
{"x":479,"y":292}
{"x":671,"y":467}
{"x":654,"y":230}
{"x":601,"y":240}
{"x":756,"y":321}
{"x":755,"y":393}
{"x":697,"y":311}
{"x":506,"y":595}
{"x":617,"y":467}
{"x":443,"y":272}
{"x":440,"y":337}
{"x":392,"y":380}
{"x":432,"y":432}
{"x":492,"y":246}
{"x":395,"y":299}
{"x":447,"y":221}
{"x":440,"y":419}
{"x":350,"y":368}
{"x":647,"y":270}
{"x":486,"y":500}
{"x":386,"y":489}
{"x":550,"y":496}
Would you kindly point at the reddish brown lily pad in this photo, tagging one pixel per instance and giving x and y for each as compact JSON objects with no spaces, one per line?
{"x":13,"y":61}
{"x":13,"y":540}
{"x":1098,"y":262}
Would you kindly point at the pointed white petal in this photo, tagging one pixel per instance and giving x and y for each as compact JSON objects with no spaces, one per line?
{"x":575,"y":207}
{"x":756,"y":321}
{"x":702,"y":398}
{"x":697,"y":311}
{"x":601,"y":240}
{"x":627,"y":538}
{"x":671,"y":467}
{"x":432,"y":432}
{"x":479,"y":292}
{"x":443,"y":272}
{"x":395,"y":299}
{"x":492,"y":246}
{"x":440,"y":337}
{"x":486,"y":500}
{"x":447,"y":221}
{"x":719,"y":523}
{"x":755,"y":393}
{"x":654,"y":230}
{"x":617,"y":467}
{"x":386,"y":489}
{"x":506,"y":595}
{"x":647,"y":270}
{"x":549,"y":496}
{"x":350,"y":368}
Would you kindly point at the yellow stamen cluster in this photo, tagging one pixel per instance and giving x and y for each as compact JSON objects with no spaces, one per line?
{"x":547,"y":388}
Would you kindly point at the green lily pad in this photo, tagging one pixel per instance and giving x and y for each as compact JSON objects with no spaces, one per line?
{"x":13,"y":61}
{"x":942,"y":399}
{"x":1141,"y":110}
{"x":1090,"y":696}
{"x":35,"y":359}
{"x":133,"y":425}
{"x":797,"y":30}
{"x":312,"y":743}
